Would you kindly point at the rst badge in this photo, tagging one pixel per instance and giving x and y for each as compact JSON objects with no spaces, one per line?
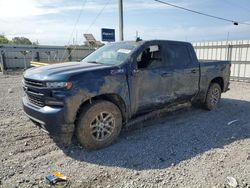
{"x":117,"y":71}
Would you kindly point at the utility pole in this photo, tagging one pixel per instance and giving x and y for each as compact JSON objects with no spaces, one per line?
{"x":121,"y":20}
{"x":227,"y":36}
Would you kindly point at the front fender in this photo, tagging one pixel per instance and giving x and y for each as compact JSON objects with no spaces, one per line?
{"x":83,"y":92}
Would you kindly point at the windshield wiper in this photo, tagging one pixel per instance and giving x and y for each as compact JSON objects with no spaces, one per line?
{"x":95,"y":62}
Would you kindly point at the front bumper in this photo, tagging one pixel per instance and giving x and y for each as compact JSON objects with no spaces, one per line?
{"x":50,"y":118}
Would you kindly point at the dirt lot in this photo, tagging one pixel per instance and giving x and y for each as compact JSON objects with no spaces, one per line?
{"x":190,"y":148}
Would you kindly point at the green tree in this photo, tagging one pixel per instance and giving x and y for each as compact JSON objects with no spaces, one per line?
{"x":21,"y":40}
{"x":3,"y":40}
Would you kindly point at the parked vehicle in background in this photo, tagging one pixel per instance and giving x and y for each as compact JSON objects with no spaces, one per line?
{"x":94,"y":98}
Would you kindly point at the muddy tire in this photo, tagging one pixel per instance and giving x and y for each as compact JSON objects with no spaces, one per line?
{"x":213,"y":96}
{"x":99,"y":124}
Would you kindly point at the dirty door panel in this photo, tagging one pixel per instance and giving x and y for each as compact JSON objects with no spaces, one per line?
{"x":151,"y":85}
{"x":185,"y":72}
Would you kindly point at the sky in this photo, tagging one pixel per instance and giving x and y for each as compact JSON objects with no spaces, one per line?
{"x":63,"y":22}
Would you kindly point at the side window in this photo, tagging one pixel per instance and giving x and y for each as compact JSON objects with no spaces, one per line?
{"x":178,"y":55}
{"x":150,"y":58}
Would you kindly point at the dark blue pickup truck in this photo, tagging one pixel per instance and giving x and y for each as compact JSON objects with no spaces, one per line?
{"x":94,"y":98}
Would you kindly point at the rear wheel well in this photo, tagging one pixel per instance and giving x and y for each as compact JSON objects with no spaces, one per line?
{"x":114,"y":98}
{"x":218,"y":80}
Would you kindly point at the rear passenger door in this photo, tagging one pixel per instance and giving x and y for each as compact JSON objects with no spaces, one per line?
{"x":185,"y":71}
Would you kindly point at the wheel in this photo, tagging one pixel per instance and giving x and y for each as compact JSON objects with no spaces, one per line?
{"x":213,"y":96}
{"x":99,"y":124}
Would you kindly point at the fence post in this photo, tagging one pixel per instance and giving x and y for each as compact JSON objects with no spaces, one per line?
{"x":24,"y":58}
{"x":37,"y":56}
{"x":239,"y":59}
{"x":247,"y":63}
{"x":48,"y":53}
{"x":229,"y":52}
{"x":2,"y":64}
{"x":69,"y":57}
{"x":229,"y":58}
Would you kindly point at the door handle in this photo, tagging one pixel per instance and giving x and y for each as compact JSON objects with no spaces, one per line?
{"x":136,"y":71}
{"x":165,"y":74}
{"x":193,"y":71}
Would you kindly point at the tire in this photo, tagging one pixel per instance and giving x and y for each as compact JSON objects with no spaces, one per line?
{"x":213,"y":96}
{"x":99,"y":124}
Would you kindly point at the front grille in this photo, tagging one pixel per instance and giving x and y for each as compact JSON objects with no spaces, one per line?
{"x":33,"y":83}
{"x":34,"y":90}
{"x":36,"y":101}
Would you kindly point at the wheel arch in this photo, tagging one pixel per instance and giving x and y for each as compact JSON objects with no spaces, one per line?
{"x":111,"y":97}
{"x":218,"y":80}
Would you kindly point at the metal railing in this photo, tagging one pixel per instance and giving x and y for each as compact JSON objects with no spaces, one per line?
{"x":237,"y":52}
{"x":20,"y":56}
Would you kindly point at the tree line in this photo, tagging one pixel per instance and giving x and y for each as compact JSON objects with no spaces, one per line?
{"x":16,"y":40}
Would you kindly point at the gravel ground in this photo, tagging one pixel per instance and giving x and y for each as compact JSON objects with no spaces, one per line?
{"x":188,"y":148}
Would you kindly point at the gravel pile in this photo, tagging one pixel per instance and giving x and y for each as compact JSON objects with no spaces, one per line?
{"x":189,"y":148}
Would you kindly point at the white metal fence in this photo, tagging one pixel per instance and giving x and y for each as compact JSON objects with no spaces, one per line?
{"x":237,"y":52}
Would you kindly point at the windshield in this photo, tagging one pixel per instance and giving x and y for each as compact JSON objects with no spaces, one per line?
{"x":111,"y":54}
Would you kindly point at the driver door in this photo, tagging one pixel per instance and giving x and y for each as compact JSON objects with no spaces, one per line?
{"x":151,"y":80}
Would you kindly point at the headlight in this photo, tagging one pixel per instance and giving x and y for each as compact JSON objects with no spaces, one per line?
{"x":55,"y":85}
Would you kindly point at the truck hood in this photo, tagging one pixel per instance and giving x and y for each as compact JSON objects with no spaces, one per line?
{"x":60,"y":71}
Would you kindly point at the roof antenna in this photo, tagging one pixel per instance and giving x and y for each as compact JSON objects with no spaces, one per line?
{"x":137,"y":37}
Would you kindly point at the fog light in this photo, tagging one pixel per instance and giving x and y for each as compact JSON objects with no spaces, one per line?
{"x":53,"y":103}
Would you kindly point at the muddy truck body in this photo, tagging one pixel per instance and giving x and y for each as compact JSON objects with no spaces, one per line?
{"x":94,"y":98}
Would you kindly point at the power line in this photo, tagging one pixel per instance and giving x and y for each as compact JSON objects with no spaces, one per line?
{"x":201,"y":13}
{"x":97,"y":16}
{"x":75,"y":24}
{"x":92,"y":23}
{"x":17,"y":34}
{"x":78,"y":18}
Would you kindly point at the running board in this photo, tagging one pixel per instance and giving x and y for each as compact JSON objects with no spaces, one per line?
{"x":158,"y":113}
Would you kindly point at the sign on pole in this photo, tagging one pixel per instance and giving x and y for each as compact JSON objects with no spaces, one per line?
{"x":108,"y":35}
